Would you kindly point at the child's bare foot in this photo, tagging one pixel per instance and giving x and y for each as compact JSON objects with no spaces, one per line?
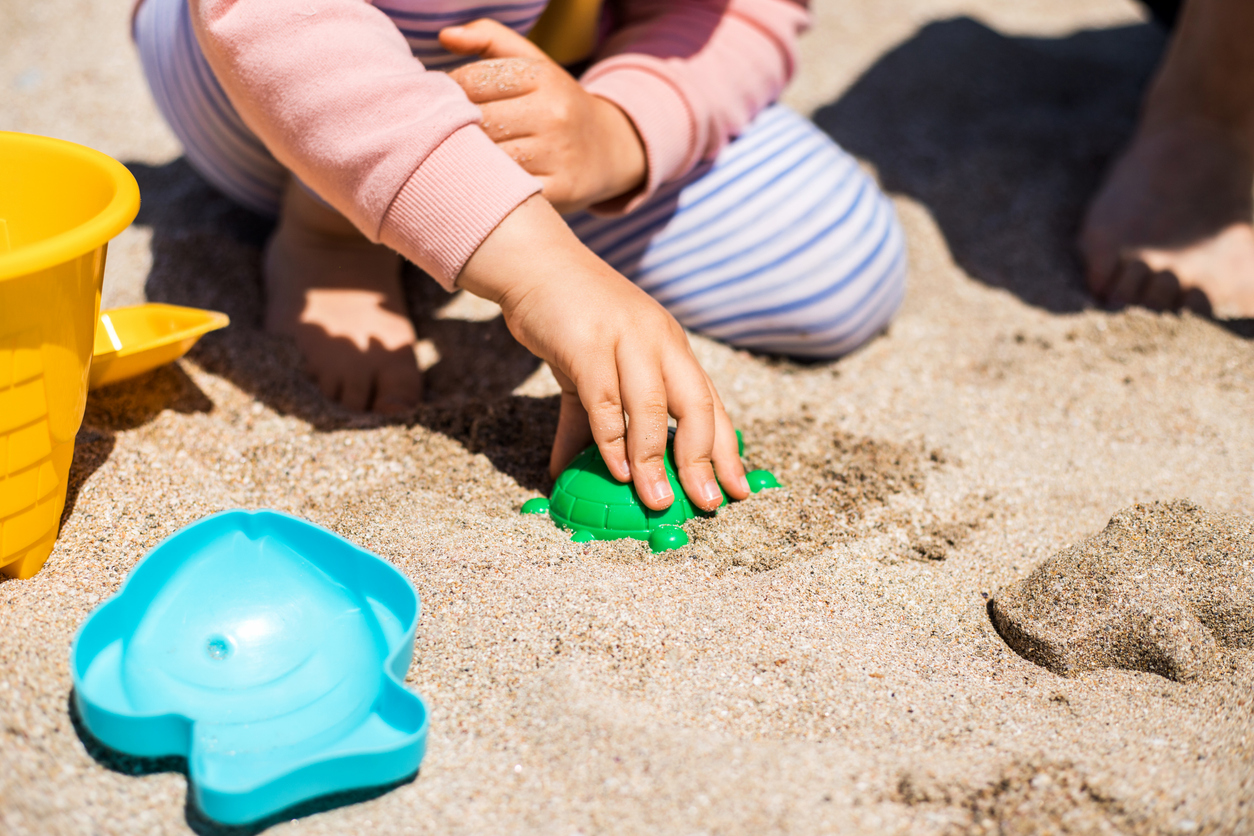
{"x":340,"y":297}
{"x":1173,"y":225}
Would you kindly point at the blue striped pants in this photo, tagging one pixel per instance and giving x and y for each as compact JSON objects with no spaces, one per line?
{"x":781,"y":244}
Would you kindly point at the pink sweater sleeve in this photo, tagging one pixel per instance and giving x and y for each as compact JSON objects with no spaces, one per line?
{"x":690,"y":74}
{"x":332,"y":89}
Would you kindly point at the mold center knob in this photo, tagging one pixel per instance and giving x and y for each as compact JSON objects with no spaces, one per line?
{"x":218,"y":647}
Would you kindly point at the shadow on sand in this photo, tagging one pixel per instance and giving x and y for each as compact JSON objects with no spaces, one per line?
{"x":125,"y":764}
{"x":207,"y":253}
{"x":124,"y":406}
{"x":1003,"y":139}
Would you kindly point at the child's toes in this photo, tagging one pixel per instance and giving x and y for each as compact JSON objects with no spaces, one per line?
{"x":356,"y":390}
{"x":398,"y":385}
{"x":330,"y":380}
{"x":337,"y":368}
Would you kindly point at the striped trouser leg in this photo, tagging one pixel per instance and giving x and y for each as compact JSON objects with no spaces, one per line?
{"x":782,"y":244}
{"x":215,"y":140}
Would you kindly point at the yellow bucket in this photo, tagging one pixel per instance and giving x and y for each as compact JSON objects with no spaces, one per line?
{"x":60,"y":204}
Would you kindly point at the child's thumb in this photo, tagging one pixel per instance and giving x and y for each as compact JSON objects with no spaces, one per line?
{"x":488,"y":39}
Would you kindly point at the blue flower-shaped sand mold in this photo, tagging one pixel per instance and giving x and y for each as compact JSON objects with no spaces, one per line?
{"x":267,"y":651}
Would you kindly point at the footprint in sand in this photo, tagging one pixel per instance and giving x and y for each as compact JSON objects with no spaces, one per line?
{"x":1164,"y":588}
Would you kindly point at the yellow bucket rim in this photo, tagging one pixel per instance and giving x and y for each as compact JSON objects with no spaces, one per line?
{"x":87,"y":236}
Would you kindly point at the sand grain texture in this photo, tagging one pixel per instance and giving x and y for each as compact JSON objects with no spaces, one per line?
{"x":1164,"y":588}
{"x":819,"y":659}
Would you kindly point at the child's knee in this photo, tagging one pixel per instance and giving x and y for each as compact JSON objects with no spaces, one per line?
{"x":215,"y":140}
{"x":847,"y":300}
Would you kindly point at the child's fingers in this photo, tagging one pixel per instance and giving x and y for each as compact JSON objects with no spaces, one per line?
{"x":525,"y":154}
{"x":728,"y":467}
{"x":644,"y":400}
{"x":498,"y":79}
{"x":536,"y":161}
{"x":508,"y":119}
{"x":573,"y":432}
{"x":692,"y":404}
{"x":490,"y":39}
{"x":598,"y":394}
{"x":590,"y":417}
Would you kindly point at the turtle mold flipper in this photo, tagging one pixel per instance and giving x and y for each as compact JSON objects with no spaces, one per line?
{"x":667,"y":537}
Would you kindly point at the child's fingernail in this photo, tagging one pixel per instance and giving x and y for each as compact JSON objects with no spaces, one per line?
{"x":662,"y":491}
{"x":710,"y":494}
{"x":743,"y":484}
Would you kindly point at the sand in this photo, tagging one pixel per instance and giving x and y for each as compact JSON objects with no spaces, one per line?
{"x":1165,"y":588}
{"x":821,"y":659}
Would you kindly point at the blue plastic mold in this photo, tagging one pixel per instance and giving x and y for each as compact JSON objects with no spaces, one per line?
{"x":268,"y":652}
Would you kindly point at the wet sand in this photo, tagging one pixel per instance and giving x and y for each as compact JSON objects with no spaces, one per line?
{"x":819,"y":659}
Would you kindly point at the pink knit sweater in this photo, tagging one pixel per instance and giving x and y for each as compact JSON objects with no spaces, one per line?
{"x":332,"y":89}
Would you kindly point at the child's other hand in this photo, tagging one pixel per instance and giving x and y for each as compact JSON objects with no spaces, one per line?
{"x":583,"y":148}
{"x":614,"y":350}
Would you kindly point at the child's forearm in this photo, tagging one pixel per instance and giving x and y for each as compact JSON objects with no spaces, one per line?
{"x":332,"y":89}
{"x":687,"y":103}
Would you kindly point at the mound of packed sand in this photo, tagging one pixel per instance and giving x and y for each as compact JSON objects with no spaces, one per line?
{"x":1162,"y":589}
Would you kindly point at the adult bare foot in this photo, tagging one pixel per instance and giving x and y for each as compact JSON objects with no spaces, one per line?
{"x":1173,"y":225}
{"x":340,"y":297}
{"x":1172,"y":228}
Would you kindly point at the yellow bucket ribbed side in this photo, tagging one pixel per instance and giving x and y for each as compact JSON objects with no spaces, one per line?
{"x":60,"y":204}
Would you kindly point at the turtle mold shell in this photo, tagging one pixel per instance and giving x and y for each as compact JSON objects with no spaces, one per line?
{"x":587,"y":498}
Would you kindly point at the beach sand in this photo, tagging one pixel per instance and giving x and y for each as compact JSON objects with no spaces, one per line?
{"x":821,"y":659}
{"x":1166,"y":588}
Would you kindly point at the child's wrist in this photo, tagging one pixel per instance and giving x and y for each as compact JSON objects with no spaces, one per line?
{"x":625,"y":158}
{"x":531,"y":245}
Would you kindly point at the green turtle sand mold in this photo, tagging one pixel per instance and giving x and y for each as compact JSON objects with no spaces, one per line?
{"x":590,"y":502}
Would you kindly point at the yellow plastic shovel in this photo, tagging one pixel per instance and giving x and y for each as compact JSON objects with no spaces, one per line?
{"x":131,"y":341}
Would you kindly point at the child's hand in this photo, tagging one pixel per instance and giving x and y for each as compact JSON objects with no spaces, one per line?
{"x":584,"y":149}
{"x":613,"y":349}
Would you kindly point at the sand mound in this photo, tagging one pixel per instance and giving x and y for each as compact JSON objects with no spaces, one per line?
{"x":1162,"y":589}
